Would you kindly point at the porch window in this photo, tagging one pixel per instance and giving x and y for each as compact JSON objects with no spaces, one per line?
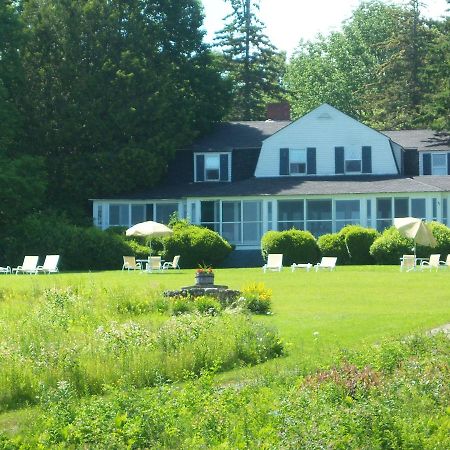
{"x":137,"y":214}
{"x":164,"y":211}
{"x":231,"y":221}
{"x":401,"y":207}
{"x":384,"y":213}
{"x":319,"y":217}
{"x":444,"y":211}
{"x":291,"y":214}
{"x":252,"y":222}
{"x":210,"y":215}
{"x":418,"y":208}
{"x":119,"y":215}
{"x":347,"y":212}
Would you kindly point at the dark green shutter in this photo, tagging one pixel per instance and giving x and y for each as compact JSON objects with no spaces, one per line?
{"x":367,"y":159}
{"x":224,"y":168}
{"x":448,"y":163}
{"x":200,"y":167}
{"x":426,"y":164}
{"x":311,"y":161}
{"x":339,"y":160}
{"x":284,"y":161}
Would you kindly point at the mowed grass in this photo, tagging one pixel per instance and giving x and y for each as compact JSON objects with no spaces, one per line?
{"x":317,"y":314}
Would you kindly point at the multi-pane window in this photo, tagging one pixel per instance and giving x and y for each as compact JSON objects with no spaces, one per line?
{"x":297,"y":161}
{"x":347,"y":212}
{"x":231,"y":221}
{"x":210,"y":215}
{"x":99,"y":215}
{"x":369,"y":212}
{"x":444,"y":211}
{"x":384,"y":213}
{"x":291,"y":214}
{"x":137,"y":214}
{"x":435,"y":209}
{"x":353,"y":162}
{"x":212,"y":167}
{"x":164,"y":211}
{"x":318,"y":217}
{"x":252,"y":222}
{"x":439,"y":163}
{"x":418,"y":208}
{"x":401,"y":207}
{"x":119,"y":215}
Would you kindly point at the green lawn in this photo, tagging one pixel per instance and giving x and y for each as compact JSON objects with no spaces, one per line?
{"x":316,"y":314}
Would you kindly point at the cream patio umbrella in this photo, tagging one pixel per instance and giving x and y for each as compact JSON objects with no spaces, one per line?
{"x":415,"y":229}
{"x":149,"y":229}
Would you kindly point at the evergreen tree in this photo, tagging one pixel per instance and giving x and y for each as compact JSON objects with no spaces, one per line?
{"x":249,"y":60}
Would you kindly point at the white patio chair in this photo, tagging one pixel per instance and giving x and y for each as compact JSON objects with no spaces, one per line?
{"x":129,"y":263}
{"x":274,"y":262}
{"x":29,"y":265}
{"x":50,"y":264}
{"x":446,"y":263}
{"x":327,"y":262}
{"x":154,"y":263}
{"x":432,"y":263}
{"x":5,"y":270}
{"x":407,"y":263}
{"x":173,"y":264}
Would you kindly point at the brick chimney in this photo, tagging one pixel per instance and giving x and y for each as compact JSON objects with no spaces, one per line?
{"x":279,"y":111}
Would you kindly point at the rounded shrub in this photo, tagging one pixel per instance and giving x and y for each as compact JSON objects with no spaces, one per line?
{"x":334,"y":245}
{"x":390,"y":247}
{"x":358,"y":241}
{"x":208,"y":305}
{"x":196,"y":246}
{"x":296,"y":246}
{"x":442,"y":235}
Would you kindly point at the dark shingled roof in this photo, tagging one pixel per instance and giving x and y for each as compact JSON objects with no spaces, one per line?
{"x":232,"y":135}
{"x":298,"y":186}
{"x":422,"y":140}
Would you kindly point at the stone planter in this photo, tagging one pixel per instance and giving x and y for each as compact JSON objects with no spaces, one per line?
{"x":204,"y":279}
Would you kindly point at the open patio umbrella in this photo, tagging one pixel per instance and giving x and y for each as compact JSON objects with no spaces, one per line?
{"x":415,"y":229}
{"x":149,"y":229}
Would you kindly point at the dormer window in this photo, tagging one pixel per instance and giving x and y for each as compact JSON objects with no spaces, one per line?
{"x":212,"y":166}
{"x":297,"y":161}
{"x":353,"y":160}
{"x":439,"y":163}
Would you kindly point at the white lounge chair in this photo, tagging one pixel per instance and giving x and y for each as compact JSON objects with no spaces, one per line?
{"x":327,"y":262}
{"x":306,"y":266}
{"x":445,"y":263}
{"x":432,"y":263}
{"x":274,"y":262}
{"x":407,"y":263}
{"x":154,"y":263}
{"x":5,"y":270}
{"x":173,"y":264}
{"x":50,"y":264}
{"x":29,"y":265}
{"x":129,"y":263}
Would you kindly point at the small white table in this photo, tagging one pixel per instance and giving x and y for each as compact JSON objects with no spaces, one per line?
{"x":307,"y":266}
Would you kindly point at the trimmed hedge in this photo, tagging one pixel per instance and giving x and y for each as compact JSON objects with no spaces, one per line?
{"x":334,"y":245}
{"x":196,"y":246}
{"x":358,"y":241}
{"x":296,"y":246}
{"x":390,"y":247}
{"x":442,"y":235}
{"x":80,"y":248}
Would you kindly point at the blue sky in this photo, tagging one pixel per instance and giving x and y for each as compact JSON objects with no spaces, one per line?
{"x":288,"y":21}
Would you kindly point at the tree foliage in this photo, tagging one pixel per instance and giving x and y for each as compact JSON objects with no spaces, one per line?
{"x":249,"y":61}
{"x":386,"y":67}
{"x":114,"y":87}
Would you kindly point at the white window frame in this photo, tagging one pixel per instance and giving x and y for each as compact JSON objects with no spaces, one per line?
{"x":291,"y":153}
{"x":349,"y":156}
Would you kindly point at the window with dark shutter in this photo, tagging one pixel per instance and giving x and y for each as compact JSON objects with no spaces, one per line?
{"x":339,"y":160}
{"x":284,"y":161}
{"x":448,"y":163}
{"x":367,"y":159}
{"x":224,"y":167}
{"x":426,"y":164}
{"x":200,"y":167}
{"x":311,"y":160}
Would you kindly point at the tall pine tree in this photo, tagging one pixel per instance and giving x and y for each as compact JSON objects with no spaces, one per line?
{"x":249,"y":60}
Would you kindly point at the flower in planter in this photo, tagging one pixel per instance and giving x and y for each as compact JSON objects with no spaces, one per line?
{"x":205,"y":270}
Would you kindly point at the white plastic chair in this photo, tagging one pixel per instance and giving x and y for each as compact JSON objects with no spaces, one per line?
{"x":29,"y":265}
{"x":154,"y":263}
{"x":407,"y":263}
{"x":50,"y":264}
{"x":432,"y":263}
{"x":5,"y":270}
{"x":173,"y":264}
{"x":274,"y":262}
{"x":327,"y":262}
{"x":129,"y":263}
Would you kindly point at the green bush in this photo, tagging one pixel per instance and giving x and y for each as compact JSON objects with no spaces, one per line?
{"x":334,"y":245}
{"x":257,"y":298}
{"x":442,"y":235}
{"x":208,"y":305}
{"x":296,"y":246}
{"x":182,"y":305}
{"x":196,"y":246}
{"x":357,"y":242}
{"x":390,"y":247}
{"x":80,"y":248}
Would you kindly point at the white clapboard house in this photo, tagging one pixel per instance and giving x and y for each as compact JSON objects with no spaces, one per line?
{"x":317,"y":173}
